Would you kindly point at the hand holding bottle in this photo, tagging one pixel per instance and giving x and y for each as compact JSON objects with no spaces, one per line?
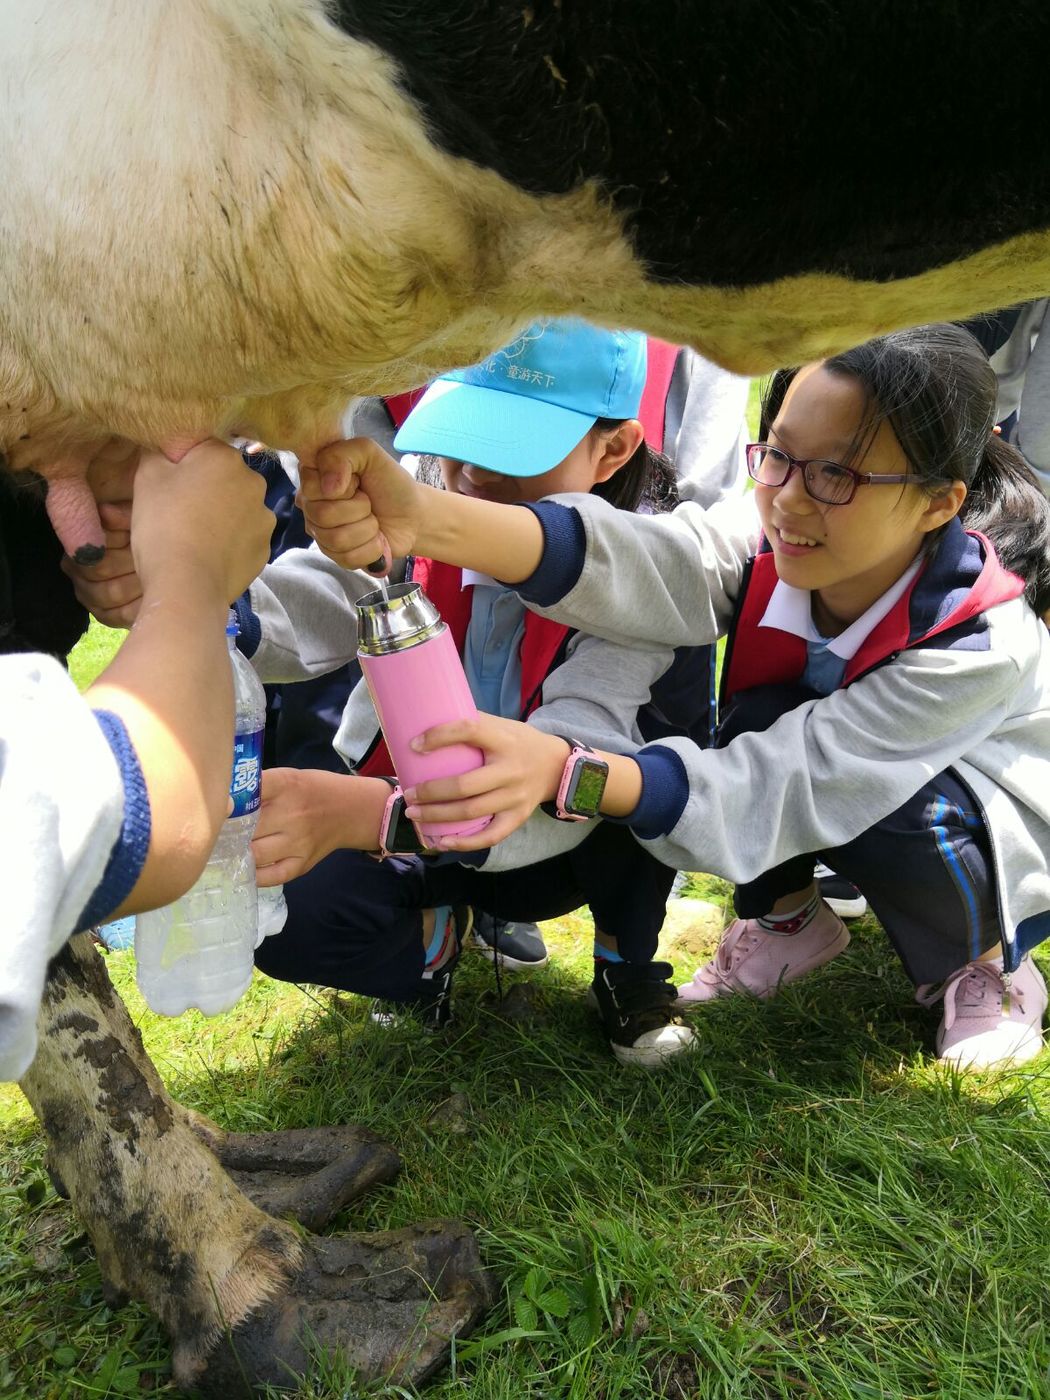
{"x":522,"y":769}
{"x":308,"y":813}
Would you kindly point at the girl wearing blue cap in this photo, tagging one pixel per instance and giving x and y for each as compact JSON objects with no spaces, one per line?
{"x":886,"y":690}
{"x":556,"y":410}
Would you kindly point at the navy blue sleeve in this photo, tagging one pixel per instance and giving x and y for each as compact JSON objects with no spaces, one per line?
{"x":564,"y":552}
{"x":249,"y":634}
{"x":128,"y":855}
{"x":665,"y":791}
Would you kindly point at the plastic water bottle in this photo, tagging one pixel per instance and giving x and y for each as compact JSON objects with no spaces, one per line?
{"x":273,"y":911}
{"x":198,"y":951}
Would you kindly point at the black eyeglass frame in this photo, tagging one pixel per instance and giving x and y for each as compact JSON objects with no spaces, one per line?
{"x":803,"y":463}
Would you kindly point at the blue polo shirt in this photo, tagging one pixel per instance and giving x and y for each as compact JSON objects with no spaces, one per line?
{"x":492,"y":652}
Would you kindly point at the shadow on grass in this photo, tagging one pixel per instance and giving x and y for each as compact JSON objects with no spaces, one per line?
{"x":807,"y":1205}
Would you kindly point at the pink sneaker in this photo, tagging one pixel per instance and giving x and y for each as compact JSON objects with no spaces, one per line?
{"x":758,"y":963}
{"x":989,"y":1020}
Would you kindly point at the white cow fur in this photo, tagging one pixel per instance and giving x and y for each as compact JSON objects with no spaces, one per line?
{"x":223,"y":216}
{"x":220,"y":214}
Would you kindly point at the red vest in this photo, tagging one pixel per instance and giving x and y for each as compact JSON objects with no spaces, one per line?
{"x":660,"y":363}
{"x":767,"y":656}
{"x":541,"y":645}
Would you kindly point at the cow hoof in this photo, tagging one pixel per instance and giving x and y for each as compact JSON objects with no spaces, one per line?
{"x":387,"y":1303}
{"x":308,"y":1174}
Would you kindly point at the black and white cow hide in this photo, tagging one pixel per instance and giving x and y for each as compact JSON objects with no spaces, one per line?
{"x":231,"y":215}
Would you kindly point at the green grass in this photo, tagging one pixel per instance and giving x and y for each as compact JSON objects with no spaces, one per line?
{"x":754,"y":406}
{"x":807,"y":1207}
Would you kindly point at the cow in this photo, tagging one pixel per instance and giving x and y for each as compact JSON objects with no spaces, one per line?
{"x":229,"y":217}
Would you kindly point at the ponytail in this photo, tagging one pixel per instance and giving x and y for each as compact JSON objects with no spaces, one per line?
{"x":1006,"y":503}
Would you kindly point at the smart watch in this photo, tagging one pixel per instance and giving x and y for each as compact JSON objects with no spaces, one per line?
{"x":397,"y":835}
{"x":582,"y":784}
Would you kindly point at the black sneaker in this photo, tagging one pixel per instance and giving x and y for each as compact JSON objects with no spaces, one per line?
{"x":839,"y":895}
{"x":519,"y":947}
{"x":636,"y":1004}
{"x":432,"y":1005}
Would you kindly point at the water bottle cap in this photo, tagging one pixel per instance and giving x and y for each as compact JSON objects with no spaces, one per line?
{"x":402,"y":618}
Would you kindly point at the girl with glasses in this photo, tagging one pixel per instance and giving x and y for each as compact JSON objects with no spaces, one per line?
{"x":885,"y":701}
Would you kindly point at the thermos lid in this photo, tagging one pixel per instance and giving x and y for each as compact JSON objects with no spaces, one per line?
{"x":402,"y":617}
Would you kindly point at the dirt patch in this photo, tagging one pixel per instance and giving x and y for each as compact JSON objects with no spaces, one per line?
{"x":675,"y":1377}
{"x":690,"y":933}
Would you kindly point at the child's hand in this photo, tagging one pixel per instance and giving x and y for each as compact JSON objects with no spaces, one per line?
{"x":360,"y":506}
{"x":110,"y":589}
{"x":202,"y":520}
{"x":308,"y":813}
{"x":522,"y":768}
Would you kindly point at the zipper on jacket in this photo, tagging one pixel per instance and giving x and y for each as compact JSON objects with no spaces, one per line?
{"x":534,"y":700}
{"x":727,"y":655}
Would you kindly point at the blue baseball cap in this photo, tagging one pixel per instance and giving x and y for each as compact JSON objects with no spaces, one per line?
{"x":526,"y":407}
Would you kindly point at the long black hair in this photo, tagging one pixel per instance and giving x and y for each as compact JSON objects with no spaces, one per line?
{"x":936,"y":389}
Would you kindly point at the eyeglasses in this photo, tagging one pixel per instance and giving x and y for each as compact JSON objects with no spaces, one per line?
{"x":829,"y":482}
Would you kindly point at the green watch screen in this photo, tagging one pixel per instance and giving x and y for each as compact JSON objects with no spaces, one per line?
{"x":586,"y":792}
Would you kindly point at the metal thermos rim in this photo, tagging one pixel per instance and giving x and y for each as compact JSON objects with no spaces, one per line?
{"x":402,"y":618}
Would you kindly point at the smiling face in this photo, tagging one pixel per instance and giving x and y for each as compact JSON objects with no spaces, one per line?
{"x":848,"y":555}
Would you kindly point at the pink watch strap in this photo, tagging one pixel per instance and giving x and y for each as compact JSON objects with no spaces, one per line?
{"x":384,"y":821}
{"x":575,"y":751}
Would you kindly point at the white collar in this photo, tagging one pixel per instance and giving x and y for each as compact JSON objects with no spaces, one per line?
{"x":470,"y":578}
{"x":791,"y":610}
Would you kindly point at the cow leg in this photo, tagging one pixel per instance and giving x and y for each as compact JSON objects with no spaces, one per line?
{"x":172,"y":1229}
{"x":305,"y":1174}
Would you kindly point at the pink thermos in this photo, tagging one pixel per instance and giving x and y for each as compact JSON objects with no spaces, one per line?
{"x":416,"y":680}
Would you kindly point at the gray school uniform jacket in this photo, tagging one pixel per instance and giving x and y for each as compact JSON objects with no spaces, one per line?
{"x":976,"y":701}
{"x":299,"y":621}
{"x":63,"y":801}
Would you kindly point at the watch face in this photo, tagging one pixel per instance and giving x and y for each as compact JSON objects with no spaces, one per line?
{"x":586,"y":788}
{"x":400,"y":836}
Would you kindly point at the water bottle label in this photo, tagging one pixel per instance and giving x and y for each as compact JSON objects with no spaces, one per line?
{"x":246,"y":783}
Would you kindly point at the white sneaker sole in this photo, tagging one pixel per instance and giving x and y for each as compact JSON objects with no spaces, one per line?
{"x":653,"y":1049}
{"x":658,"y":1054}
{"x":506,"y":962}
{"x":994,"y":1050}
{"x":848,"y":908}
